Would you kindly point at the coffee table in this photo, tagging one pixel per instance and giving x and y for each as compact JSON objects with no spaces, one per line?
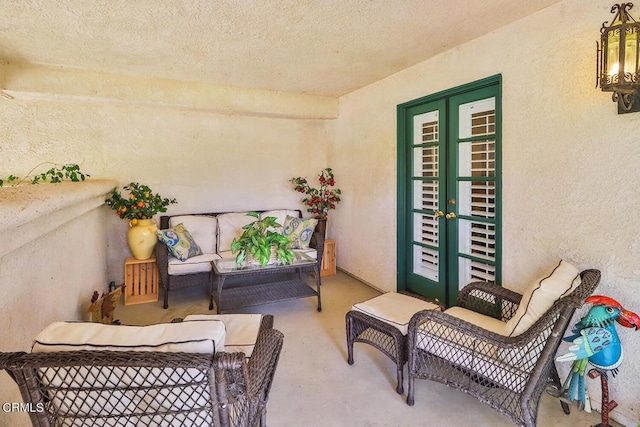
{"x":251,"y":285}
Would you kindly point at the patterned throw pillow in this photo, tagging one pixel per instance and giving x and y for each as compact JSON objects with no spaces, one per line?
{"x":299,"y":231}
{"x":179,"y":242}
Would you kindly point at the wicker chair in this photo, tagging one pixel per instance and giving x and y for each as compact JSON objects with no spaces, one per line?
{"x":107,"y":388}
{"x":507,"y":373}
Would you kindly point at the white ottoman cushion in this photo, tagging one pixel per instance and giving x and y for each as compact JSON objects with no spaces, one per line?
{"x":394,"y":308}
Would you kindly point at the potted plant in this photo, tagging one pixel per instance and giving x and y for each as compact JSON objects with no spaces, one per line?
{"x":139,"y":207}
{"x":319,"y":201}
{"x":260,"y":240}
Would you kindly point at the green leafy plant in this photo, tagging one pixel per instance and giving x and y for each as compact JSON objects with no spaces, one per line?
{"x":140,"y":203}
{"x":258,"y":238}
{"x":319,"y":200}
{"x":58,"y":173}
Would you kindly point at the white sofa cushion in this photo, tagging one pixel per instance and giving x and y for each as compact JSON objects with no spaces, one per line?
{"x":204,"y":337}
{"x":203,"y":229}
{"x":281,"y":215}
{"x":242,"y":330}
{"x":230,"y":227}
{"x":541,"y":294}
{"x":394,"y":308}
{"x":196,"y":264}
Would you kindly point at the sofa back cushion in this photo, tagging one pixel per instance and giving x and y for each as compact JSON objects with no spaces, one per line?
{"x":230,"y":227}
{"x":280,"y":215}
{"x":190,"y":337}
{"x":203,"y":229}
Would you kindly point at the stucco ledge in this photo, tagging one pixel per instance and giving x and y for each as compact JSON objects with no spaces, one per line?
{"x":30,"y":211}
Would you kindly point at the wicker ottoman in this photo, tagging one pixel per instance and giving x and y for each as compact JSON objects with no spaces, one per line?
{"x":383,"y":322}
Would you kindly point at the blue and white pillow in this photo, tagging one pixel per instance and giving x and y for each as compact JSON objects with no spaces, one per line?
{"x":179,"y":242}
{"x":299,"y":231}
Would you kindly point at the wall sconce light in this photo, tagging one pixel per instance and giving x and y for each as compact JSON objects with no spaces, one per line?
{"x":617,"y":60}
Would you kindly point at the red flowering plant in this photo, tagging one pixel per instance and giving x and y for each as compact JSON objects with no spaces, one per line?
{"x":319,"y":200}
{"x":141,"y":203}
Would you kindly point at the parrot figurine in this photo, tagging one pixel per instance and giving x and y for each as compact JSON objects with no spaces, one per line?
{"x":596,"y":342}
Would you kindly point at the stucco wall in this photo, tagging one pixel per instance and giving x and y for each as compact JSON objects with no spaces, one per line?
{"x":53,"y":259}
{"x":570,"y":163}
{"x":213,"y":148}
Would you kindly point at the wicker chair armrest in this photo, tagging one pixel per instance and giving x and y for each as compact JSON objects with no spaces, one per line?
{"x":7,"y":360}
{"x":489,"y":299}
{"x":162,"y":261}
{"x":266,"y":323}
{"x":317,"y":242}
{"x":263,"y":362}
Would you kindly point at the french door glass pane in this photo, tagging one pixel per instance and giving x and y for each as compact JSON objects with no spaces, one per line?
{"x":477,"y":198}
{"x":425,"y":161}
{"x":477,"y":118}
{"x":474,"y":271}
{"x":477,"y":158}
{"x":425,"y":230}
{"x":425,"y":195}
{"x":425,"y":262}
{"x":477,"y":239}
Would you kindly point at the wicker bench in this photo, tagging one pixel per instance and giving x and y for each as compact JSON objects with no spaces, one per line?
{"x":213,"y":232}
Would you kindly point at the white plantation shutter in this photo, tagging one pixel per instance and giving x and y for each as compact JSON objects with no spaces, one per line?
{"x":426,"y":135}
{"x":476,"y":192}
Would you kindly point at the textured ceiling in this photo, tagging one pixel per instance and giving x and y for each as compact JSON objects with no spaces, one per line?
{"x":327,"y":47}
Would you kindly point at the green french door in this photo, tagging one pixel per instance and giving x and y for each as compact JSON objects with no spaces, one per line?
{"x":449,"y":190}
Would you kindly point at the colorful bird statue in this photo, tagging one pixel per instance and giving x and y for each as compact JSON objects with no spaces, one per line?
{"x":596,"y":342}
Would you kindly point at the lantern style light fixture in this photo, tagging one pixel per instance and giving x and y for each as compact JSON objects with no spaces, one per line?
{"x":617,"y":60}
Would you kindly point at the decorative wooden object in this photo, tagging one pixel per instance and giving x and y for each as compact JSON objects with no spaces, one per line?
{"x":328,"y":259}
{"x":141,"y":280}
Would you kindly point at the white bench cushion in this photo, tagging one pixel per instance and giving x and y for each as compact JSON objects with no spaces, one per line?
{"x":203,"y":337}
{"x":203,"y":229}
{"x":242,"y":330}
{"x":196,"y":264}
{"x":394,"y":308}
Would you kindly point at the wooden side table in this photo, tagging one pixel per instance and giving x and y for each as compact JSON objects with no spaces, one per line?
{"x":141,"y":281}
{"x":328,"y":259}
